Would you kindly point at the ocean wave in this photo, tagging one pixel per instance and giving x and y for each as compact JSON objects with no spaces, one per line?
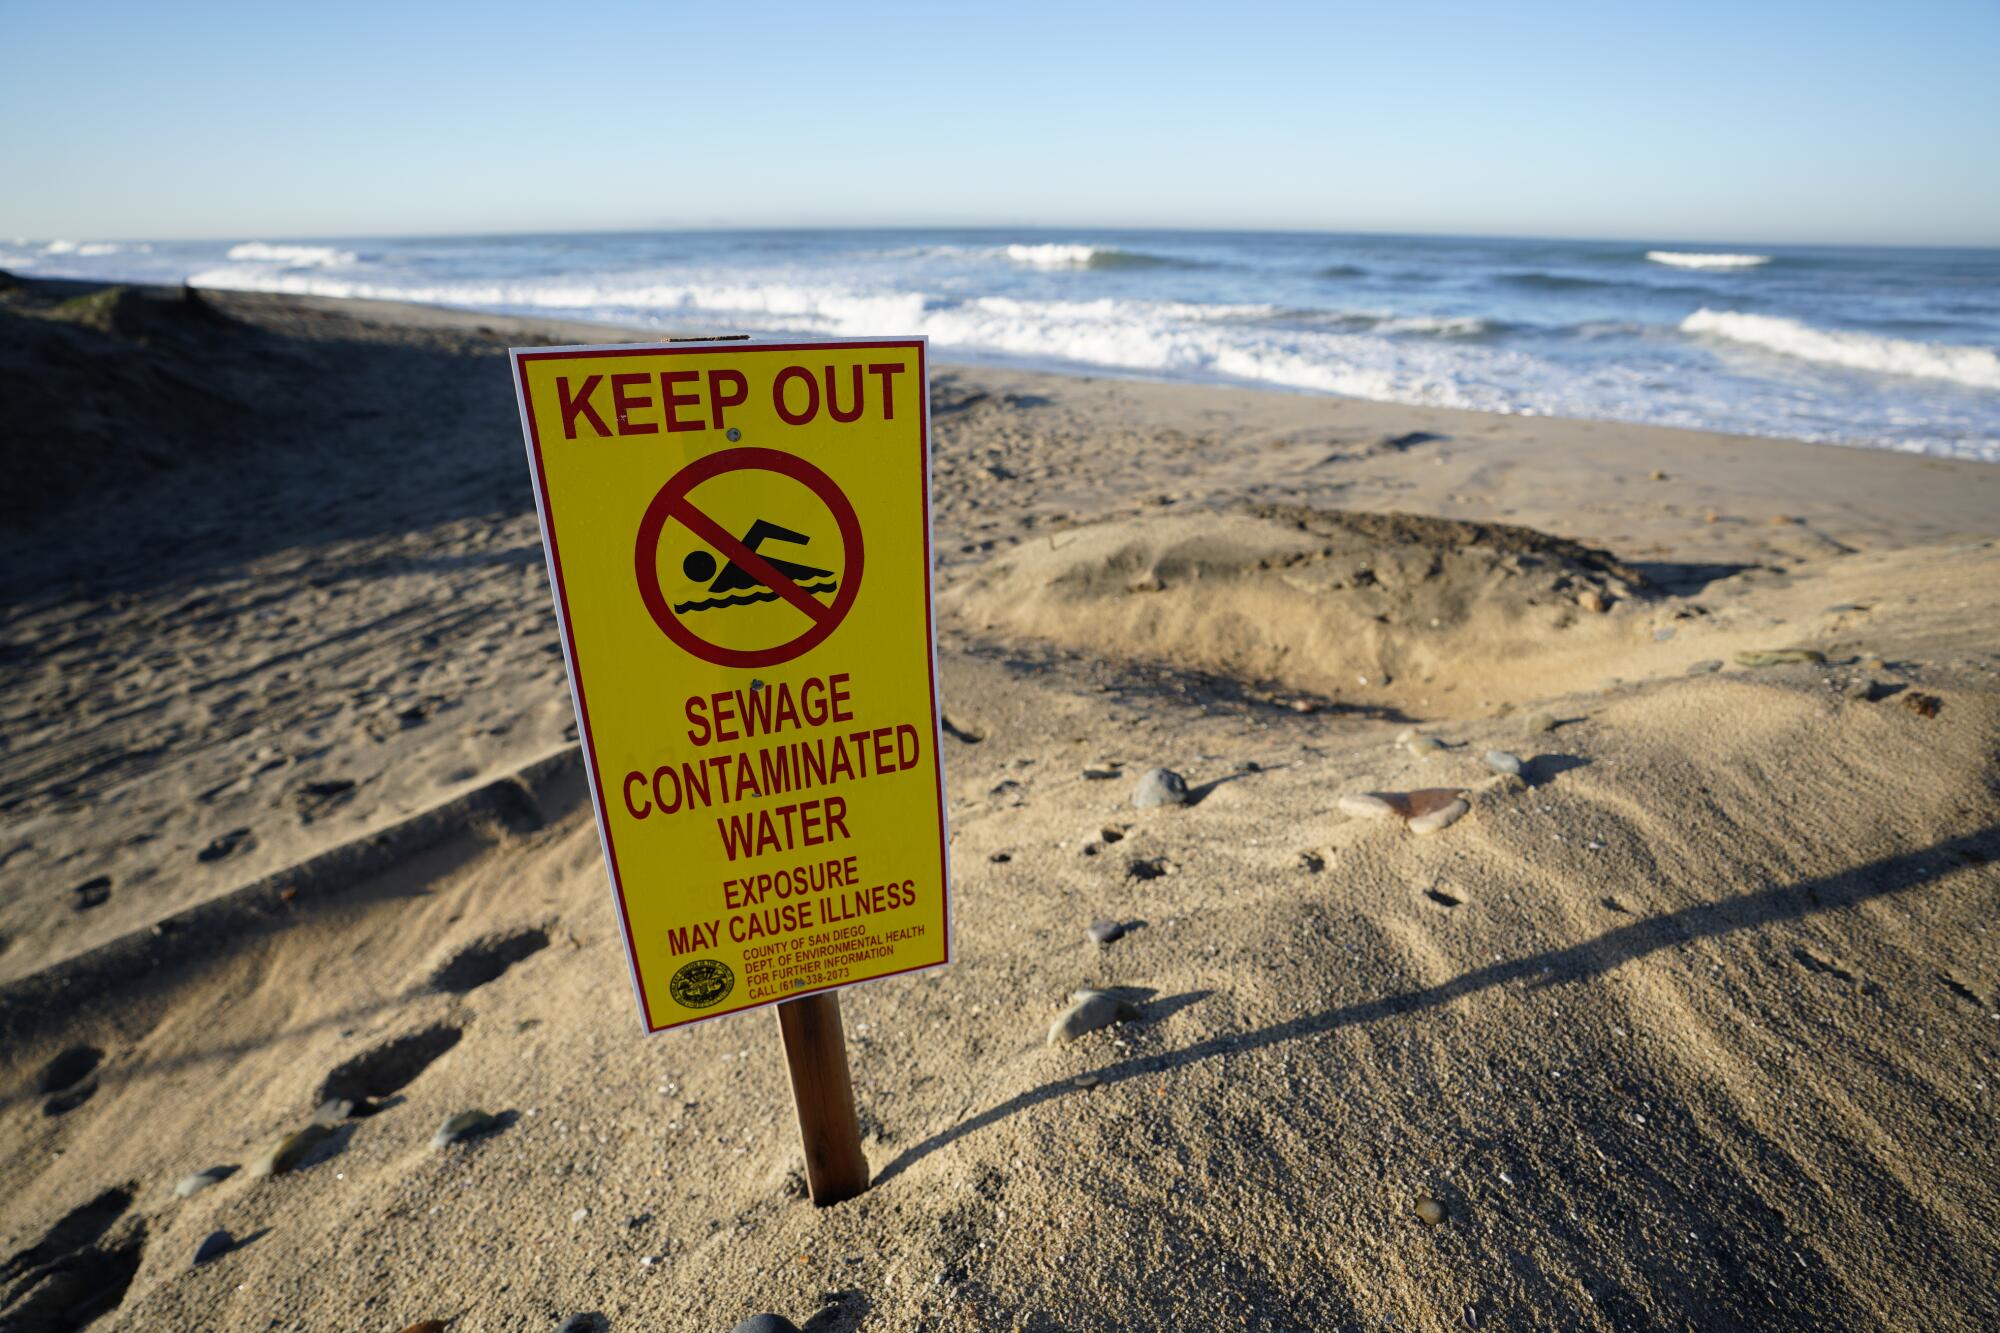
{"x":91,"y":249}
{"x":763,"y":305}
{"x":292,"y":256}
{"x":1088,"y":256}
{"x":1442,"y":326}
{"x":1371,"y":354}
{"x":1695,"y":259}
{"x":1341,"y":271}
{"x":1975,"y":366}
{"x":1552,"y":282}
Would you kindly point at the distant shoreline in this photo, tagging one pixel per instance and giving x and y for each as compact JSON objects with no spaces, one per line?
{"x":1879,"y":347}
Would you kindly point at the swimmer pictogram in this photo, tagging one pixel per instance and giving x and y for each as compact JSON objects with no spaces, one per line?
{"x":738,"y":570}
{"x":731,"y":587}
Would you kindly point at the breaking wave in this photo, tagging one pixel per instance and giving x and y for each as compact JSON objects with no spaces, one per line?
{"x":1976,"y":366}
{"x":1695,"y":259}
{"x":292,"y":256}
{"x":1087,"y":256}
{"x":92,"y":249}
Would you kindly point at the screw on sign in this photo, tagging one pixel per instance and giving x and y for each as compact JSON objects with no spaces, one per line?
{"x":749,"y":574}
{"x":760,"y":721}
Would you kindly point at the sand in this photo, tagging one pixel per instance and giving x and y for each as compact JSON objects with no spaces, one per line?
{"x":1690,"y":1024}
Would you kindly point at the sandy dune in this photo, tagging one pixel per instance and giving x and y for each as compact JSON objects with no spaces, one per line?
{"x":1691,"y":1023}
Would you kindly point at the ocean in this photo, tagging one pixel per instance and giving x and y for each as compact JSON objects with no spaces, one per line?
{"x":1891,"y":348}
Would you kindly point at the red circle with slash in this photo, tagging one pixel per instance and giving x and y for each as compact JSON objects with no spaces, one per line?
{"x":672,"y":503}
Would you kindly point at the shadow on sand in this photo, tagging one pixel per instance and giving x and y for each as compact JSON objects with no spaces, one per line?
{"x":1614,"y":948}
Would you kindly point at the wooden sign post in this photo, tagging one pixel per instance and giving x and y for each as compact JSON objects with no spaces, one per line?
{"x":816,"y":1051}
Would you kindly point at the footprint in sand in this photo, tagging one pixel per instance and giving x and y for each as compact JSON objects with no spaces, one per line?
{"x":315,"y":800}
{"x":384,"y":725}
{"x":91,"y":893}
{"x":388,"y":1068}
{"x":73,"y":1273}
{"x":232,"y":843}
{"x":70,"y":1079}
{"x":484,"y":960}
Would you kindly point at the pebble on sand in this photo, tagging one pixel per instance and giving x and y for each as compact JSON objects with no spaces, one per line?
{"x":1160,"y":786}
{"x":1593,"y":601}
{"x":332,"y":1111}
{"x":214,"y":1245}
{"x":1421,"y":746}
{"x":1538,"y":722}
{"x":201,"y":1180}
{"x":1090,"y":1010}
{"x":1367,"y":805}
{"x":465,"y":1125}
{"x":1706,"y":667}
{"x":1500,"y":761}
{"x":766,"y":1323}
{"x":1441,"y":817}
{"x":1430,"y":1212}
{"x":1104,"y":932}
{"x":1763,"y":657}
{"x":289,"y":1151}
{"x":1424,"y":811}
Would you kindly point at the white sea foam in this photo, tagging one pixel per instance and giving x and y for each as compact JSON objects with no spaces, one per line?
{"x":1178,"y":339}
{"x":997,"y":308}
{"x":1695,"y":259}
{"x":92,"y":249}
{"x":292,"y":256}
{"x":772,"y":305}
{"x":1976,"y":366}
{"x":1055,"y":256}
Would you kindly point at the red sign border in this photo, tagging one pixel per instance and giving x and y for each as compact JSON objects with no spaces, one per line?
{"x":551,"y":552}
{"x":646,"y":553}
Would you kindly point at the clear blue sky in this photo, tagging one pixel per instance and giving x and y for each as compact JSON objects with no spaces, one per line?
{"x":1772,"y":122}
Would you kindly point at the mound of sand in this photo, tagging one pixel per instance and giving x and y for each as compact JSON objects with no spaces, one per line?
{"x":1380,"y":609}
{"x":109,"y":387}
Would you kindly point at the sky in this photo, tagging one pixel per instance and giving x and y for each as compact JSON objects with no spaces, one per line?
{"x":1829,"y":122}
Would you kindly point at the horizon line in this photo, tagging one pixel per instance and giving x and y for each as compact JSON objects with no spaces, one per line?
{"x":248,"y":234}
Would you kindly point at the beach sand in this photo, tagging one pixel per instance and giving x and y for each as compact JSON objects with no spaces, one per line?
{"x":1690,"y":1024}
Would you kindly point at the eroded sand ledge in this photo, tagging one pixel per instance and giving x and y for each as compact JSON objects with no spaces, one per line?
{"x":1690,"y":1024}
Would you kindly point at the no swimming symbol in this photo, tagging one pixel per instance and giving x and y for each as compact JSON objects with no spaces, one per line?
{"x":747,"y":575}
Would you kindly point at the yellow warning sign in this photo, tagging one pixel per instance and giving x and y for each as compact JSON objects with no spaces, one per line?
{"x":738,"y":536}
